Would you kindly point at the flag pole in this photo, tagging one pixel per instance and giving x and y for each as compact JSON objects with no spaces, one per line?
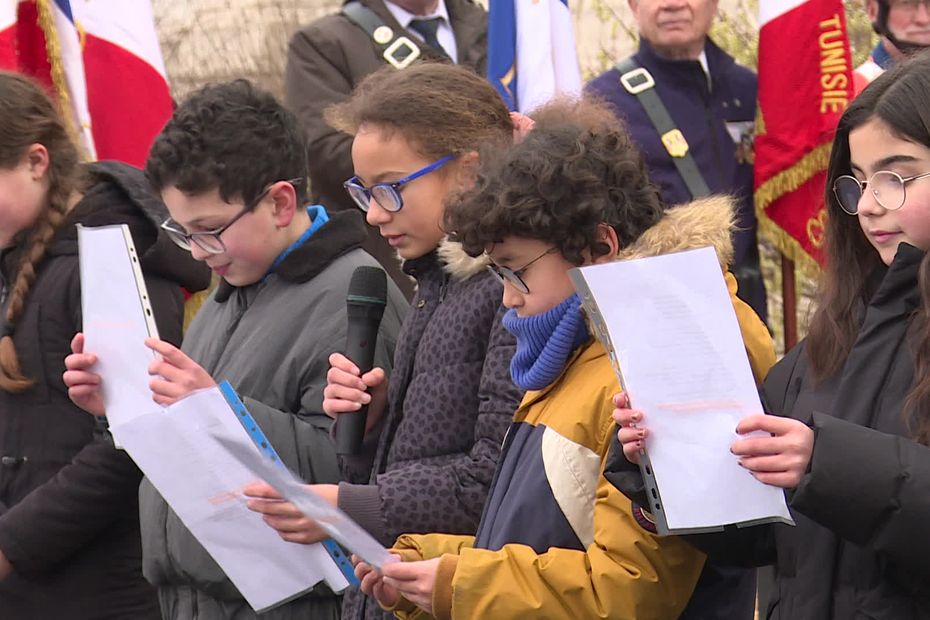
{"x":789,"y":303}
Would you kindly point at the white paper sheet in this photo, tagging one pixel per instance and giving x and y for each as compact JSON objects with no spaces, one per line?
{"x":683,"y":363}
{"x":117,"y":319}
{"x":177,"y":450}
{"x":336,"y":523}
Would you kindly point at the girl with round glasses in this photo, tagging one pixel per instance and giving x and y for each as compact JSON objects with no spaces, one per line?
{"x":849,"y":441}
{"x":436,"y":427}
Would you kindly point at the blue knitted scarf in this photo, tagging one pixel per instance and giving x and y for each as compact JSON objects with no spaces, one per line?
{"x":545,"y":342}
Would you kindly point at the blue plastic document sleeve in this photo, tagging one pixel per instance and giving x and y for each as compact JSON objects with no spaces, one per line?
{"x":258,"y":437}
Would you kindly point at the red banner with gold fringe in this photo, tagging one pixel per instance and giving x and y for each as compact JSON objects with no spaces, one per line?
{"x":805,"y":83}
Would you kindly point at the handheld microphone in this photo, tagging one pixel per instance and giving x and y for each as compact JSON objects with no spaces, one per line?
{"x":365,"y":304}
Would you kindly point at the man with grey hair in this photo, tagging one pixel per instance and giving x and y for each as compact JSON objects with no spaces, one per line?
{"x":691,"y":110}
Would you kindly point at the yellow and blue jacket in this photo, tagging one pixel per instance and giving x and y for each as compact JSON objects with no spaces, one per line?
{"x":556,"y":539}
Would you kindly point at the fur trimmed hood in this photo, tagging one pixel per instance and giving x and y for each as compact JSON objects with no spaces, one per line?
{"x":708,"y":221}
{"x":457,"y":263}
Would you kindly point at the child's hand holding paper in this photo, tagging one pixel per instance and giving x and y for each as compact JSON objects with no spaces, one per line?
{"x":83,"y":383}
{"x":775,"y":450}
{"x":632,"y":435}
{"x":175,"y":375}
{"x":284,"y":517}
{"x":372,"y":583}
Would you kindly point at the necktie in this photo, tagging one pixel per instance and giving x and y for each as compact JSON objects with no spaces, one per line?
{"x":427,"y":28}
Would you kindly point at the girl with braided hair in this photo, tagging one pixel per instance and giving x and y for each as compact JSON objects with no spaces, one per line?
{"x":69,"y":531}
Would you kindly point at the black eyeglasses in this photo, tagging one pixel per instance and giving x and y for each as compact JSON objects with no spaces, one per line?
{"x":515,"y":276}
{"x":210,"y":241}
{"x":387,"y":195}
{"x":888,"y":188}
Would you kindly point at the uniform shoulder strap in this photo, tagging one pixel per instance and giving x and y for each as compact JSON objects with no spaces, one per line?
{"x":637,"y":81}
{"x":396,"y":47}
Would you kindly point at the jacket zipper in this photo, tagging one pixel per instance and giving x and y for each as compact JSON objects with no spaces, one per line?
{"x":712,"y":130}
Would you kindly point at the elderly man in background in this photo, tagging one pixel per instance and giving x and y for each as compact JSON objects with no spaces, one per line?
{"x":904,"y":28}
{"x":327,"y":58}
{"x":691,"y":110}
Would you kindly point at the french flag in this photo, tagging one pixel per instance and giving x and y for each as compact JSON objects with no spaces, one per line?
{"x":531,"y":52}
{"x":102,"y":61}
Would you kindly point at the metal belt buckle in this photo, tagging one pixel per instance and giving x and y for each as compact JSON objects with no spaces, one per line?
{"x":628,"y":79}
{"x":390,"y":54}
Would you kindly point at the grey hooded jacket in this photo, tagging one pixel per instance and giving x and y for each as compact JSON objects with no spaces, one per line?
{"x":271,"y":340}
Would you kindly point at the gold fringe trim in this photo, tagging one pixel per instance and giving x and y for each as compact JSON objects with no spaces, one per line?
{"x":790,"y":179}
{"x":59,"y":80}
{"x":785,"y":182}
{"x":788,"y":245}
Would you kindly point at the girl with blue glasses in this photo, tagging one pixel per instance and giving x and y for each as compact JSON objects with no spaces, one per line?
{"x":435,"y":427}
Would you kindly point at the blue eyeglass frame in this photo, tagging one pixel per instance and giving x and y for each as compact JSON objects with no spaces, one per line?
{"x":393,"y":188}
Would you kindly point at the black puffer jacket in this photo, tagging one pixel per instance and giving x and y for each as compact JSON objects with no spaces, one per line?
{"x":861,"y":547}
{"x":69,"y":519}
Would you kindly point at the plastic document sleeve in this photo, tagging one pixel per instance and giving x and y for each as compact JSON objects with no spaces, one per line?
{"x":671,"y":333}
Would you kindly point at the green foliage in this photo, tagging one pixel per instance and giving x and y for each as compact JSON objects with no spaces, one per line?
{"x":861,"y":36}
{"x":737,"y":31}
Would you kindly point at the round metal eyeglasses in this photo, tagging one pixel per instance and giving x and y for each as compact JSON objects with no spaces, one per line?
{"x":515,"y":276}
{"x":889,"y":189}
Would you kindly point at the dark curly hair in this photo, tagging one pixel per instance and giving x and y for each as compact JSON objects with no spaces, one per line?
{"x":575,"y":170}
{"x":441,"y":109}
{"x":232,"y":137}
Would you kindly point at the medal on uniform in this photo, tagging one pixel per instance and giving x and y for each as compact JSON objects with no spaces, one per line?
{"x":675,"y":143}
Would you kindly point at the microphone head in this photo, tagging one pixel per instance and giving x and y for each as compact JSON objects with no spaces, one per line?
{"x":368,"y":286}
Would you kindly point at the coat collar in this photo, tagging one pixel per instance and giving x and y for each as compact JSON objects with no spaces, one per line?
{"x":717,"y":60}
{"x":343,"y":233}
{"x":469,"y":24}
{"x":588,"y":352}
{"x":451,"y":259}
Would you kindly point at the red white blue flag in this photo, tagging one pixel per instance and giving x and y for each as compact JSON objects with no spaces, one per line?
{"x":102,"y":61}
{"x":531,"y":52}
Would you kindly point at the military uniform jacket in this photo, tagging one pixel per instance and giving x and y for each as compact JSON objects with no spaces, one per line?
{"x":326,"y":61}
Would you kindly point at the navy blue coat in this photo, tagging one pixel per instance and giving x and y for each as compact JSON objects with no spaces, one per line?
{"x":717,"y":122}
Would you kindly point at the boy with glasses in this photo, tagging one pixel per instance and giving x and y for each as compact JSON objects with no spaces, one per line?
{"x":230,"y":166}
{"x":556,"y":539}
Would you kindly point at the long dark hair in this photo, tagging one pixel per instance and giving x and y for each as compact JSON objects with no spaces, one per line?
{"x":899,"y":98}
{"x":27,"y":117}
